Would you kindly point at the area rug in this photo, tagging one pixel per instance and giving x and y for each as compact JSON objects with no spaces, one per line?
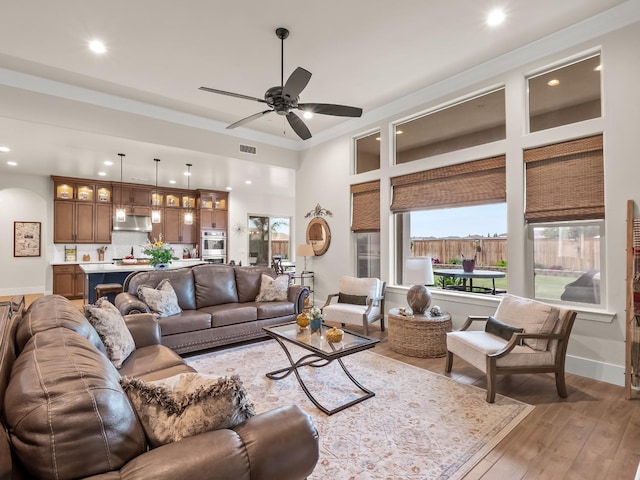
{"x":420,"y":425}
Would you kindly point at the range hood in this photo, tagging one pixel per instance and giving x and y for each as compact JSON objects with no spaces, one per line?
{"x":133,"y":223}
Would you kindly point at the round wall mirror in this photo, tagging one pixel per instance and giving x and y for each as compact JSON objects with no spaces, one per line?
{"x":318,"y":235}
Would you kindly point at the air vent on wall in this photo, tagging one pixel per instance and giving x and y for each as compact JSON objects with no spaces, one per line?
{"x":248,"y":149}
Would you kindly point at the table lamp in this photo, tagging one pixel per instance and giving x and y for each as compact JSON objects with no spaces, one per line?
{"x":419,"y":271}
{"x":305,"y":250}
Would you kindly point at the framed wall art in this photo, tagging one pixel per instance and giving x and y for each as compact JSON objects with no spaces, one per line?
{"x":26,"y":239}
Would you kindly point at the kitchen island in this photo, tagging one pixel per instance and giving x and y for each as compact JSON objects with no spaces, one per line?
{"x":96,"y":273}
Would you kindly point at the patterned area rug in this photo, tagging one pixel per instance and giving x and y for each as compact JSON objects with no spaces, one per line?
{"x":420,"y":425}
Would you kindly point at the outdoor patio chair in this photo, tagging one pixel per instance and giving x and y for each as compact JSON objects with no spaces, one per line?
{"x":523,"y":336}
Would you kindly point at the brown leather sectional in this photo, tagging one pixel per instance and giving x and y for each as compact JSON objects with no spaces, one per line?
{"x":65,"y":416}
{"x":218,"y":305}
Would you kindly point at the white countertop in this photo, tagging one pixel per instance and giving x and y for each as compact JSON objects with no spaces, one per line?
{"x":110,"y":267}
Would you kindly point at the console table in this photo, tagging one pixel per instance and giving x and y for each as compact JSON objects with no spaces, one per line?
{"x":305,"y":277}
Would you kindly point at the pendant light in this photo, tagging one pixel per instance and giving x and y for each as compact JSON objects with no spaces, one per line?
{"x":188,"y":215}
{"x":121,"y":212}
{"x":156,"y":216}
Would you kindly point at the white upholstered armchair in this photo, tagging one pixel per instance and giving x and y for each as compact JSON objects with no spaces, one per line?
{"x":523,"y":336}
{"x":359,"y":301}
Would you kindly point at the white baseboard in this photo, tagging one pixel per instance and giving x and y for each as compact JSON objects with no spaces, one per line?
{"x":6,"y":292}
{"x":605,"y":372}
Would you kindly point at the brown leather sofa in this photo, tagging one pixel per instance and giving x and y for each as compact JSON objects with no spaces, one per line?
{"x":65,"y":416}
{"x":218,"y":305}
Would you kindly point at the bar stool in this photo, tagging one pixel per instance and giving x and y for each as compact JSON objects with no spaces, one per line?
{"x":104,"y":289}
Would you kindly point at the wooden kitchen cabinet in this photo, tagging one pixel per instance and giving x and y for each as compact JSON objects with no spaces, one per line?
{"x":175,"y":231}
{"x":73,"y":222}
{"x":103,"y":224}
{"x":213,"y":219}
{"x":68,"y":281}
{"x":212,"y":209}
{"x":131,"y":195}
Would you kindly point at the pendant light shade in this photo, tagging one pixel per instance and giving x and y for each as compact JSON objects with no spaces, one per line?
{"x":121,"y":212}
{"x":156,"y":216}
{"x":188,"y":215}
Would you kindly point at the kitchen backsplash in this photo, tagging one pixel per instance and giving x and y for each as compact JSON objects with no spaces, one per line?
{"x":120,"y":247}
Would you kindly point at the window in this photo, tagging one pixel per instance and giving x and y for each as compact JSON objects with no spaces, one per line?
{"x":565,"y":95}
{"x":365,"y":223}
{"x":367,"y":153}
{"x":452,"y":211}
{"x":466,"y":124}
{"x":567,"y":261}
{"x":565,"y":211}
{"x":268,"y":237}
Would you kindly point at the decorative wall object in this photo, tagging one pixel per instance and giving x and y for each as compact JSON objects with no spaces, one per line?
{"x":318,"y":235}
{"x":26,"y":239}
{"x":318,"y":211}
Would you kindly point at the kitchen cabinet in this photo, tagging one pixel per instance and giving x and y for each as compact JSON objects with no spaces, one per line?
{"x":212,"y":209}
{"x":213,"y":219}
{"x":103,"y":223}
{"x":175,"y":230}
{"x":73,"y":222}
{"x":131,"y":195}
{"x":68,"y":281}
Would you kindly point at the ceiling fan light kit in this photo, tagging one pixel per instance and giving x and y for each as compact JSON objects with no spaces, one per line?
{"x":283,"y":99}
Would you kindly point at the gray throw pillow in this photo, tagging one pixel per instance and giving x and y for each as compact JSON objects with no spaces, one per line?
{"x":112,"y":330}
{"x":352,"y":299}
{"x":161,"y":300}
{"x":187,"y":404}
{"x":273,"y":289}
{"x":501,"y":329}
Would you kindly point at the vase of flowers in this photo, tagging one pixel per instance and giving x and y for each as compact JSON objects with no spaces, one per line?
{"x":315,"y":319}
{"x":160,"y":252}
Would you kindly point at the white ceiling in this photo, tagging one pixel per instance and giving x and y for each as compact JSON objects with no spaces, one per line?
{"x":63,"y":110}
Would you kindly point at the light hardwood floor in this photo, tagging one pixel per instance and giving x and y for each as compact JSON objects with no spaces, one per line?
{"x":592,"y":434}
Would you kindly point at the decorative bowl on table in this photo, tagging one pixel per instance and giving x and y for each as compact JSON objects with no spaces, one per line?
{"x":334,"y":335}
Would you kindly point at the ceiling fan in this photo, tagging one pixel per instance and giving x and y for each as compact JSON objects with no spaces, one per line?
{"x":284,"y":98}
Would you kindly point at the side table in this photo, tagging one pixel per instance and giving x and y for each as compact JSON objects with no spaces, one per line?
{"x":418,"y":335}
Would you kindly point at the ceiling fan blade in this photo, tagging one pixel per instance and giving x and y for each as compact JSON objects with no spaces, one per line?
{"x":298,"y":126}
{"x":248,"y":119}
{"x":296,"y":82}
{"x":231,"y":94}
{"x":331,"y":109}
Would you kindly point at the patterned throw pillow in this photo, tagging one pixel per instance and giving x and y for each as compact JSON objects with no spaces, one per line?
{"x":161,"y":300}
{"x":273,"y":289}
{"x":187,"y":404}
{"x":112,"y":330}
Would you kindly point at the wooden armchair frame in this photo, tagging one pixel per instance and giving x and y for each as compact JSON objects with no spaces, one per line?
{"x":493,"y":370}
{"x":371,"y":302}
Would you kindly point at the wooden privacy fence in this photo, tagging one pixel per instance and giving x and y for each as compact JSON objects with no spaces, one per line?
{"x":550,"y":253}
{"x":280,"y":247}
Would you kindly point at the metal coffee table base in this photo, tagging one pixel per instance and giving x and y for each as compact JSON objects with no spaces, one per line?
{"x":316,"y":361}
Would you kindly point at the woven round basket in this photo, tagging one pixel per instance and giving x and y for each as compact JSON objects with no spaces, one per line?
{"x":421,"y":336}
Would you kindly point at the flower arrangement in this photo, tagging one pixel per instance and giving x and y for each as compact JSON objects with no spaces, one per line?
{"x":315,"y":318}
{"x":159,"y":251}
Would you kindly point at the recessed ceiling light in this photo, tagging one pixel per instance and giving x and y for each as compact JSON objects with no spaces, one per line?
{"x":554,"y":82}
{"x":96,"y":46}
{"x":495,"y":17}
{"x":172,"y":182}
{"x":5,"y":149}
{"x":399,"y":132}
{"x":11,"y":163}
{"x":248,"y":182}
{"x":307,"y":115}
{"x":598,"y":68}
{"x":108,"y":163}
{"x":102,"y":174}
{"x":378,"y":138}
{"x":229,"y":188}
{"x":187,"y":174}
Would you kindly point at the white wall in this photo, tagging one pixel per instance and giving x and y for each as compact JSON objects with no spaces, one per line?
{"x":597,"y":344}
{"x":24,"y":199}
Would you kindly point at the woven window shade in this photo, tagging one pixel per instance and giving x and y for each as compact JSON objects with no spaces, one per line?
{"x":366,"y":207}
{"x":472,"y":183}
{"x":565,"y":181}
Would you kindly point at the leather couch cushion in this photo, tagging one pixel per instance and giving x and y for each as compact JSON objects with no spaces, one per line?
{"x":154,"y":358}
{"x":187,"y":321}
{"x":274,"y":309}
{"x":215,"y":285}
{"x":248,"y":282}
{"x":68,"y":416}
{"x":109,"y":324}
{"x":181,"y":280}
{"x":231,"y":314}
{"x":54,"y":311}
